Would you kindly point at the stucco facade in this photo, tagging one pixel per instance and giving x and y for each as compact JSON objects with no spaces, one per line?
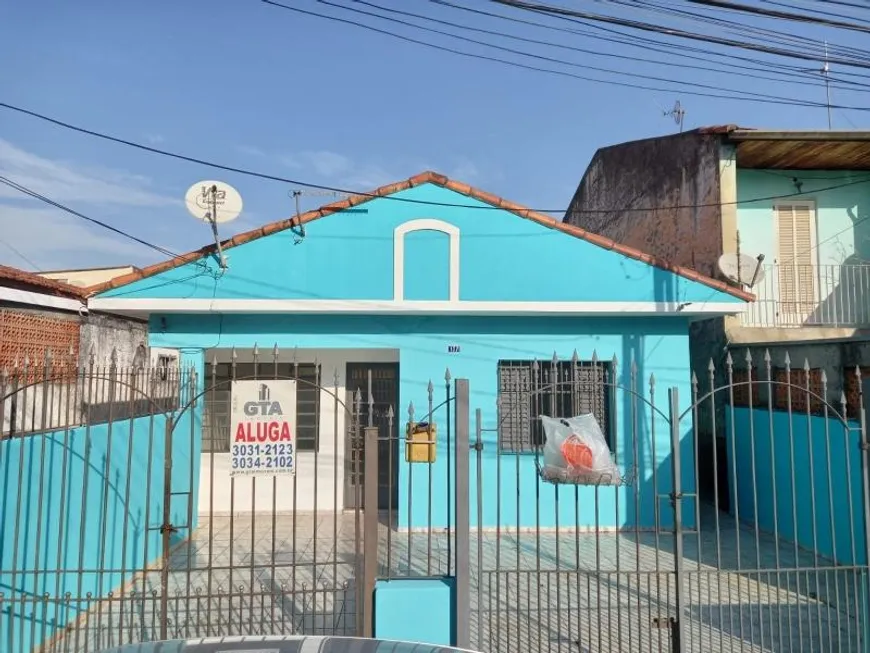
{"x":435,"y":276}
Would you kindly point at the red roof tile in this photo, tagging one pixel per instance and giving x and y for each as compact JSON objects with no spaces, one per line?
{"x":13,"y":277}
{"x":417,"y":180}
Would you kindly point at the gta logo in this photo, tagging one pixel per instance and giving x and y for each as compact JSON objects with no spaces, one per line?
{"x":264,"y":406}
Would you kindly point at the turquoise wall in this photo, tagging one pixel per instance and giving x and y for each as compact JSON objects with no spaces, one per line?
{"x":427,"y":265}
{"x":659,"y":346}
{"x":837,"y":211}
{"x":819,"y":448}
{"x":503,"y":257}
{"x":86,"y":498}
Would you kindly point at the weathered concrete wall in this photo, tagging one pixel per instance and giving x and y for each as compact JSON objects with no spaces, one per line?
{"x":100,"y":334}
{"x":658,"y":174}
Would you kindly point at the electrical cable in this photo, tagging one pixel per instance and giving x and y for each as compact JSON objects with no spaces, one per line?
{"x":841,"y":3}
{"x":789,"y":38}
{"x":784,"y":15}
{"x":408,"y":200}
{"x":764,"y":100}
{"x":20,"y":254}
{"x":647,"y":44}
{"x":741,"y":29}
{"x":550,"y":10}
{"x":821,"y":48}
{"x":647,"y":60}
{"x":121,"y":232}
{"x":778,"y":99}
{"x":817,"y":11}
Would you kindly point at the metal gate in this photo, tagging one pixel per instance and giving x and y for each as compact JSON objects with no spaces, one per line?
{"x":121,"y":522}
{"x":738,"y":523}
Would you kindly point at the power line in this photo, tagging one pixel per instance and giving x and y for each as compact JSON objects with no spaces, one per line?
{"x":43,"y":198}
{"x":551,"y":10}
{"x":743,"y":30}
{"x":345,"y":191}
{"x":816,"y":11}
{"x":764,"y":100}
{"x":572,"y":48}
{"x":843,"y":3}
{"x":20,"y":254}
{"x":648,"y":44}
{"x":785,"y":15}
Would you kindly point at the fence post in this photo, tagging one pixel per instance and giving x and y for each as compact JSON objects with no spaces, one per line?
{"x":370,"y":528}
{"x":463,"y":524}
{"x":166,"y":528}
{"x":677,"y":503}
{"x":865,"y":493}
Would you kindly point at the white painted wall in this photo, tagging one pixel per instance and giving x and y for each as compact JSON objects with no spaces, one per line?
{"x":226,"y":495}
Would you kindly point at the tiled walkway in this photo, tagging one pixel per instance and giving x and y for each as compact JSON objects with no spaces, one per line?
{"x":574,"y":592}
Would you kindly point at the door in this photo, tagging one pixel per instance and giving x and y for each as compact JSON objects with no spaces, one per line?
{"x":385,"y":392}
{"x":796,"y":238}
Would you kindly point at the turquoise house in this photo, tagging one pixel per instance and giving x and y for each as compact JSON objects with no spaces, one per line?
{"x":411,"y":280}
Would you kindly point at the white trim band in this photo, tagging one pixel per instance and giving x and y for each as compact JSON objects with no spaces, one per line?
{"x":39,"y":299}
{"x":385,"y":306}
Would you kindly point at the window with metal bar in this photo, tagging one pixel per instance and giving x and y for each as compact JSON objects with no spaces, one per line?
{"x":529,"y":389}
{"x":216,"y":415}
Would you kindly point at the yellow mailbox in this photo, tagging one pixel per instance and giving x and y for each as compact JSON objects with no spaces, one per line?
{"x":420,"y":442}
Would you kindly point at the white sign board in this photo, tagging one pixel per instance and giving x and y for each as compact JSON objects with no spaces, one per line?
{"x":263,"y":428}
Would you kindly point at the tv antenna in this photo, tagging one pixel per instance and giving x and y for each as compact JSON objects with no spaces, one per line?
{"x":826,"y":71}
{"x":214,"y":202}
{"x":677,"y":113}
{"x":298,"y":229}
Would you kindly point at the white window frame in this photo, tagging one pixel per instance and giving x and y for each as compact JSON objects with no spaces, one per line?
{"x":424,"y":224}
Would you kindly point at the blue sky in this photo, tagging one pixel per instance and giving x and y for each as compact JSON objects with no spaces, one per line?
{"x":254,"y":86}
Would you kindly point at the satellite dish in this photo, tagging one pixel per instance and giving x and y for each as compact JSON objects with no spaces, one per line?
{"x":213,"y":201}
{"x":742,"y":268}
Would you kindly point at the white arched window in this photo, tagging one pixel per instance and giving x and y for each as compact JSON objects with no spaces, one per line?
{"x":451,"y":265}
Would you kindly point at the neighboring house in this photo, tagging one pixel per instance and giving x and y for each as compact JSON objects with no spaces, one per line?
{"x":38,"y":314}
{"x":418,"y":277}
{"x":86,"y":277}
{"x":799,"y":198}
{"x":44,"y":318}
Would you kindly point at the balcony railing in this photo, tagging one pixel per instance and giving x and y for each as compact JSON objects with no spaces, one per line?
{"x":793,"y":296}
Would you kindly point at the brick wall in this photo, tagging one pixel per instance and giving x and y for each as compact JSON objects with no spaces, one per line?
{"x":33,"y":333}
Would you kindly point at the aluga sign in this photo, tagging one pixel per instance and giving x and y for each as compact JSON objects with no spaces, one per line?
{"x":262,"y":421}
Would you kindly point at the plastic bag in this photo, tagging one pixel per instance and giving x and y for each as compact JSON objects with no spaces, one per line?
{"x":576,"y":452}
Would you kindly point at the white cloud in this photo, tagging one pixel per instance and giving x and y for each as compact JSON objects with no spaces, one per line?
{"x":154,"y":139}
{"x":290,"y":161}
{"x":328,"y":164}
{"x":52,"y":239}
{"x":65,"y":182}
{"x":368,"y":178}
{"x":465,"y":170}
{"x":249,"y":150}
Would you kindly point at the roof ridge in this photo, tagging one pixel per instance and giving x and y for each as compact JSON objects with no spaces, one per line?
{"x":425,"y":177}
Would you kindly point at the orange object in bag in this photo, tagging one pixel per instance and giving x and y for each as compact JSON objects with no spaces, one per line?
{"x":577,"y":453}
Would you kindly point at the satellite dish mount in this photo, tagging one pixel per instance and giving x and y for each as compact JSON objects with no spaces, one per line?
{"x":742,"y":268}
{"x":214,"y":202}
{"x":677,"y":113}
